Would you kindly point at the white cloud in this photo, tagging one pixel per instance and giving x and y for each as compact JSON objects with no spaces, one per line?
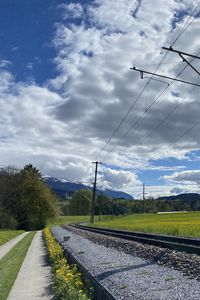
{"x":4,"y":63}
{"x":102,"y":56}
{"x":29,"y":66}
{"x":189,"y":176}
{"x":72,"y":10}
{"x":62,"y":126}
{"x":118,"y":179}
{"x":157,"y":191}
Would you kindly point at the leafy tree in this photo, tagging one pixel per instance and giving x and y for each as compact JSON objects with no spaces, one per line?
{"x":10,"y":190}
{"x":80,"y":203}
{"x":105,"y":203}
{"x":38,"y":203}
{"x":25,"y":199}
{"x":65,"y":208}
{"x":29,"y":169}
{"x":7,"y":220}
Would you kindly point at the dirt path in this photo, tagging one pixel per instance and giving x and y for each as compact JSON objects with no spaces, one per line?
{"x":5,"y":248}
{"x":34,"y":278}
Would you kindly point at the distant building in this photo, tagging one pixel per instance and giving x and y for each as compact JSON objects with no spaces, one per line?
{"x":69,"y":194}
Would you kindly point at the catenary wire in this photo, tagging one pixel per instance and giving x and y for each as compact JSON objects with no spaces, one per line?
{"x":145,"y":112}
{"x":166,"y":117}
{"x":143,"y":89}
{"x":188,"y":23}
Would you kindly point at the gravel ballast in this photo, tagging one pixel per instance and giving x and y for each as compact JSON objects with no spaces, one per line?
{"x":188,"y":264}
{"x":126,"y":276}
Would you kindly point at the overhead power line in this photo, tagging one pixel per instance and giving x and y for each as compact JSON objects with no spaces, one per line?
{"x":167,"y":63}
{"x":182,"y":30}
{"x":163,"y":76}
{"x":166,"y":117}
{"x":125,"y":117}
{"x":145,"y":112}
{"x":179,"y":137}
{"x":195,"y":15}
{"x":182,"y":55}
{"x":181,"y":52}
{"x":160,"y":123}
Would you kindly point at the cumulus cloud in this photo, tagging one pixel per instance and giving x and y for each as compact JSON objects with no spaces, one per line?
{"x":100,"y":52}
{"x":72,"y":10}
{"x":118,"y":179}
{"x":190,"y":176}
{"x":62,"y":126}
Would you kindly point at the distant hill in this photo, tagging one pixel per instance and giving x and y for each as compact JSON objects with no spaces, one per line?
{"x":65,"y":188}
{"x":185,"y":197}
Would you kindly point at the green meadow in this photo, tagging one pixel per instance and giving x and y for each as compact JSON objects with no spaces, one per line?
{"x":179,"y":224}
{"x":6,"y":235}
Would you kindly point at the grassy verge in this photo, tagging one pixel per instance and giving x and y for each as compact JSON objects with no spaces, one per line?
{"x":6,"y":235}
{"x":67,"y":219}
{"x":67,"y":281}
{"x":11,"y":263}
{"x":180,"y":224}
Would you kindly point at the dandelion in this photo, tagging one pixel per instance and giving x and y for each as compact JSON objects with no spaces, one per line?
{"x":67,"y":281}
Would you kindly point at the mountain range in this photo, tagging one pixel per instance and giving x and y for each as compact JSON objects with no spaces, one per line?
{"x":64,"y":188}
{"x":184,"y":196}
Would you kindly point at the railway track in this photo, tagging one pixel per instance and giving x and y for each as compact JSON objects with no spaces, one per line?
{"x":188,"y":245}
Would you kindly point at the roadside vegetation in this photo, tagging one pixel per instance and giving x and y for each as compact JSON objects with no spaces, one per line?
{"x":7,"y":235}
{"x":178,"y":224}
{"x":25,"y":200}
{"x":67,"y":281}
{"x":10,"y":265}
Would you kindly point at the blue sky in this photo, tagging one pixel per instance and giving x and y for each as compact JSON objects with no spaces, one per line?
{"x":27,"y":30}
{"x":66,"y":84}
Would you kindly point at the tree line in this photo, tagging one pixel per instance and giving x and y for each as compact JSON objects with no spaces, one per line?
{"x":25,"y":200}
{"x":80,"y":204}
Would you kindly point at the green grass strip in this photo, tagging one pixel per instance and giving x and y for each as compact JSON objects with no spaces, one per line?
{"x":10,"y":265}
{"x":6,"y":235}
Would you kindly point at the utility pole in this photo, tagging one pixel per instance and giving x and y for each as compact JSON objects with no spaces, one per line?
{"x":143,"y":196}
{"x":100,"y":202}
{"x":94,"y":192}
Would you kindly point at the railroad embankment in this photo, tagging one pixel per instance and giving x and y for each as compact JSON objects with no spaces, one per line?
{"x":126,"y":275}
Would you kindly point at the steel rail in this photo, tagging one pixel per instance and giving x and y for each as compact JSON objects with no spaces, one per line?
{"x":188,"y":245}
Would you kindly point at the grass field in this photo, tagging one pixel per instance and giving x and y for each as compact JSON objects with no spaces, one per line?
{"x":6,"y":235}
{"x":181,"y":224}
{"x":11,"y":263}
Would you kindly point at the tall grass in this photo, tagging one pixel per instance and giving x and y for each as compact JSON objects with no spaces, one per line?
{"x":180,"y":224}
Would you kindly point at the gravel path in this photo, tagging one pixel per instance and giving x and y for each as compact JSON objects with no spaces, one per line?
{"x":5,"y":248}
{"x":128,"y":277}
{"x":34,"y":278}
{"x":188,"y":264}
